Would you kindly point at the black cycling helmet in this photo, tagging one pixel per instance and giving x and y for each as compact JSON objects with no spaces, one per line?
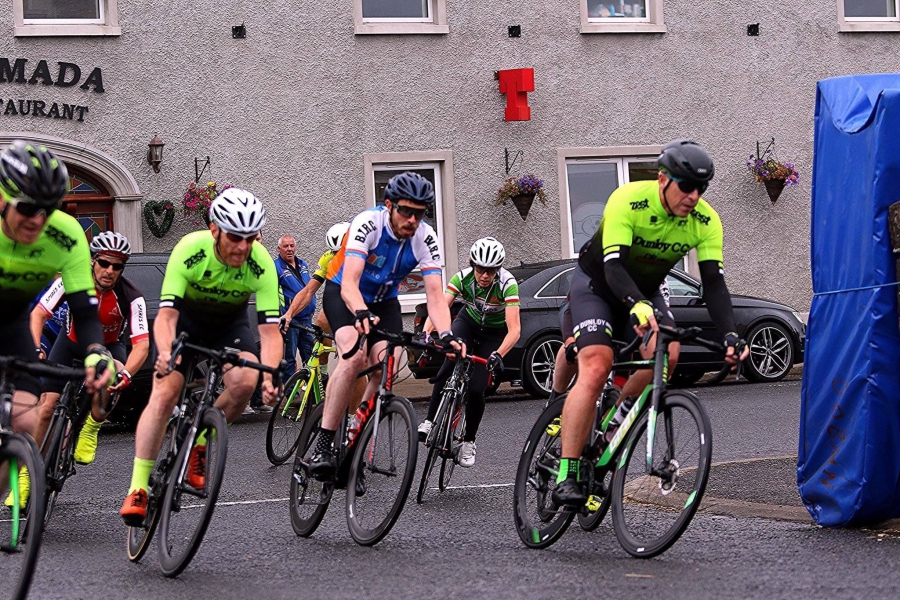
{"x":33,"y":174}
{"x":410,"y":186}
{"x":684,"y":159}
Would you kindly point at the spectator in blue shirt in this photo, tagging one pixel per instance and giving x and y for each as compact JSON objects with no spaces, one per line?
{"x":293,"y":275}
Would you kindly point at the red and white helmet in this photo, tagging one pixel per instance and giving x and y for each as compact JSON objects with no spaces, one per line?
{"x":237,"y":211}
{"x":110,"y":242}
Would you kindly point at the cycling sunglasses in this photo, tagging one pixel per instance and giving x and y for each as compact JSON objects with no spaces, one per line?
{"x":689,"y":185}
{"x":29,"y":209}
{"x":105,"y":264}
{"x":410,"y":212}
{"x":485,"y":270}
{"x":237,"y":239}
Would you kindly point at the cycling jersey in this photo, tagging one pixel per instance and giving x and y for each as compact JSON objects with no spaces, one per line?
{"x":118,"y":308}
{"x":324,"y":261}
{"x":214,"y":293}
{"x":486,"y":306}
{"x":388,"y":259}
{"x":635,"y":218}
{"x":25,"y":269}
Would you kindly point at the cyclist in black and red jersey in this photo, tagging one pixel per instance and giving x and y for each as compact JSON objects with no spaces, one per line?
{"x":121,"y":308}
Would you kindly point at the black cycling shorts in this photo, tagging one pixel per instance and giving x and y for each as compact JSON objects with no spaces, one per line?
{"x":596,"y":321}
{"x":65,"y":352}
{"x":338,"y":315}
{"x":16,"y":340}
{"x":236,"y":334}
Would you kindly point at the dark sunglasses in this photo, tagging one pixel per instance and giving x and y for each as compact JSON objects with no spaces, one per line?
{"x":486,"y":270}
{"x":410,"y":212}
{"x":689,"y":185}
{"x":105,"y":264}
{"x":237,"y":239}
{"x":28,"y":209}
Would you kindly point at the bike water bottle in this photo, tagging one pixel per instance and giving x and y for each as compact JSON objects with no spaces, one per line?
{"x":358,"y":420}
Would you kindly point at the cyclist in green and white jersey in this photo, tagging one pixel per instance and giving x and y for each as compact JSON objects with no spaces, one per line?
{"x":489,"y":325}
{"x":209,"y":279}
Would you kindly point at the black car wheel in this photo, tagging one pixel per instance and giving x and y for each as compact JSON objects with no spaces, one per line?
{"x":771,"y":352}
{"x":540,"y":358}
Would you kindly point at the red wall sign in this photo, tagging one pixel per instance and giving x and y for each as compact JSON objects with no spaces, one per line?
{"x":516,"y":83}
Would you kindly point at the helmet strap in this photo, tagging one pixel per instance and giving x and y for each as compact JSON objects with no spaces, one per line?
{"x":665,"y":202}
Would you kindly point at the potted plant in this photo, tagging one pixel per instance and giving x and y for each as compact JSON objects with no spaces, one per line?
{"x":773,"y":174}
{"x":522,"y":191}
{"x":197,"y":199}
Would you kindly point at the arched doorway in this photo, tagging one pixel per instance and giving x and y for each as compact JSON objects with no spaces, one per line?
{"x":90,"y":203}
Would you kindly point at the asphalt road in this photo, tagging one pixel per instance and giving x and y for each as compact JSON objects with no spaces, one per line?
{"x":462,"y":544}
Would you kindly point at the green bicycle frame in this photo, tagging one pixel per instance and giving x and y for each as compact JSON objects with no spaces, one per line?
{"x":314,"y":383}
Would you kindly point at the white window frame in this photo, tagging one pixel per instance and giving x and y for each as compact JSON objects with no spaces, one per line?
{"x":619,"y":155}
{"x":652,"y":23}
{"x":863,"y":24}
{"x":435,"y":24}
{"x":107,"y":24}
{"x":442,"y":163}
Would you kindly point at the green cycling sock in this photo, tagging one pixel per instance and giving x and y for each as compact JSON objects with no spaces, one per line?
{"x":140,"y":476}
{"x":569,"y":468}
{"x":90,"y":424}
{"x":201,"y":437}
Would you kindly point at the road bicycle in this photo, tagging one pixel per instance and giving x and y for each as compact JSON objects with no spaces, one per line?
{"x":181,"y":507}
{"x":653,"y":494}
{"x":303,"y":390}
{"x":376,"y":467}
{"x":22,"y":527}
{"x":449,"y":425}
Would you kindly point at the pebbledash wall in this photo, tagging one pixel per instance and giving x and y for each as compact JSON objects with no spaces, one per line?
{"x":312,"y":100}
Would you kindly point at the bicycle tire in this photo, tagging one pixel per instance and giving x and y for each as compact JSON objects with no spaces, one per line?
{"x":139,"y":538}
{"x":641,"y":502}
{"x":20,"y":535}
{"x":366,"y":526}
{"x":286,"y":420}
{"x":434,"y":441}
{"x":457,"y":433}
{"x":173,"y":560}
{"x":309,"y":497}
{"x":542,"y":525}
{"x":54,"y":467}
{"x":589,"y":521}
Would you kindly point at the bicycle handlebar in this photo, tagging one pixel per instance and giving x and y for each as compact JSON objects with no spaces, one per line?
{"x":9,"y":363}
{"x":404,"y":338}
{"x":315,"y":330}
{"x":229,"y":356}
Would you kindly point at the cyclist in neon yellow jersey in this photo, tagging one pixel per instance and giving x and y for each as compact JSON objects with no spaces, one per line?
{"x":647,"y":227}
{"x":209,"y":279}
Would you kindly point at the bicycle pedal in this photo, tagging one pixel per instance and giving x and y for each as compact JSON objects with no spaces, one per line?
{"x":593,"y":503}
{"x":554,"y":427}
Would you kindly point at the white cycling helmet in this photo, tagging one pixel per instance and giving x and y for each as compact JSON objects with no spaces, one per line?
{"x":488,"y":253}
{"x":237,"y":211}
{"x":335,"y":235}
{"x":110,"y":242}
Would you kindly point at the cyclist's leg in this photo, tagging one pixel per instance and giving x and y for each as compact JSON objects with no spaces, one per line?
{"x":343,"y":376}
{"x":593,"y":329}
{"x":642,"y":378}
{"x":64,"y":352}
{"x":305,"y":342}
{"x":483,"y":345}
{"x":563,"y":370}
{"x":16,"y":340}
{"x":240,"y":383}
{"x":322,"y":322}
{"x":291,"y":338}
{"x":440,"y":380}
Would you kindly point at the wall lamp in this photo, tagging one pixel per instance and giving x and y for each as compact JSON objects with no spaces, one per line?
{"x":154,"y":153}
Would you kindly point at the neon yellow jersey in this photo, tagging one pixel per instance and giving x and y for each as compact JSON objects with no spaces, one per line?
{"x":26,"y":269}
{"x":324,"y":261}
{"x":211,"y":291}
{"x":634,"y":217}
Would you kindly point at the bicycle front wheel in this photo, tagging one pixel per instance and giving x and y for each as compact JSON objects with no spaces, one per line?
{"x":286,"y":422}
{"x":381,"y":473}
{"x":309,"y":497}
{"x":190,"y":497}
{"x":434,"y":442}
{"x":540,"y":522}
{"x":56,"y":451}
{"x":20,"y":534}
{"x":457,"y":434}
{"x":651,"y":511}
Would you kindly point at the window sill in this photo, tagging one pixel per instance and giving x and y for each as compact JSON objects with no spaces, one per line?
{"x":623,"y":28}
{"x":66,"y":30}
{"x":868,"y":27}
{"x":401,"y":29}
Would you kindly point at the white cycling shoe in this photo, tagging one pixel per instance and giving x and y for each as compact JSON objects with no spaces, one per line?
{"x":424,"y":430}
{"x":467,"y":454}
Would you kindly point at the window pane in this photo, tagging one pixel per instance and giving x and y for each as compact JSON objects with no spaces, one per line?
{"x":61,"y":9}
{"x":395,"y":9}
{"x":600,"y":9}
{"x":679,"y":288}
{"x":870,"y":8}
{"x":642,"y":170}
{"x":590,"y":185}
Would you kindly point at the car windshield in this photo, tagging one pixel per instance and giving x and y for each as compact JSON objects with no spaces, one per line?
{"x":525,"y":271}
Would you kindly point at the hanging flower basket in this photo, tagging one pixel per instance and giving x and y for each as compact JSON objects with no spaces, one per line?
{"x":153,"y":210}
{"x":774,"y":187}
{"x":773,"y":174}
{"x":521,"y":192}
{"x":197,"y":199}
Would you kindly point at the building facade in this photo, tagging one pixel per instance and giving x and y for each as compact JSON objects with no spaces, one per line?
{"x":312,"y":106}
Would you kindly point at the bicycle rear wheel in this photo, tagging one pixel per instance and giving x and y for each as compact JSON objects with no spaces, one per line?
{"x":20,"y":535}
{"x":650,"y":512}
{"x":186,"y":509}
{"x":381,"y":472}
{"x":56,"y":451}
{"x":539,"y":522}
{"x":309,"y":497}
{"x":286,"y":422}
{"x":434,"y":442}
{"x":457,"y":434}
{"x":139,"y":538}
